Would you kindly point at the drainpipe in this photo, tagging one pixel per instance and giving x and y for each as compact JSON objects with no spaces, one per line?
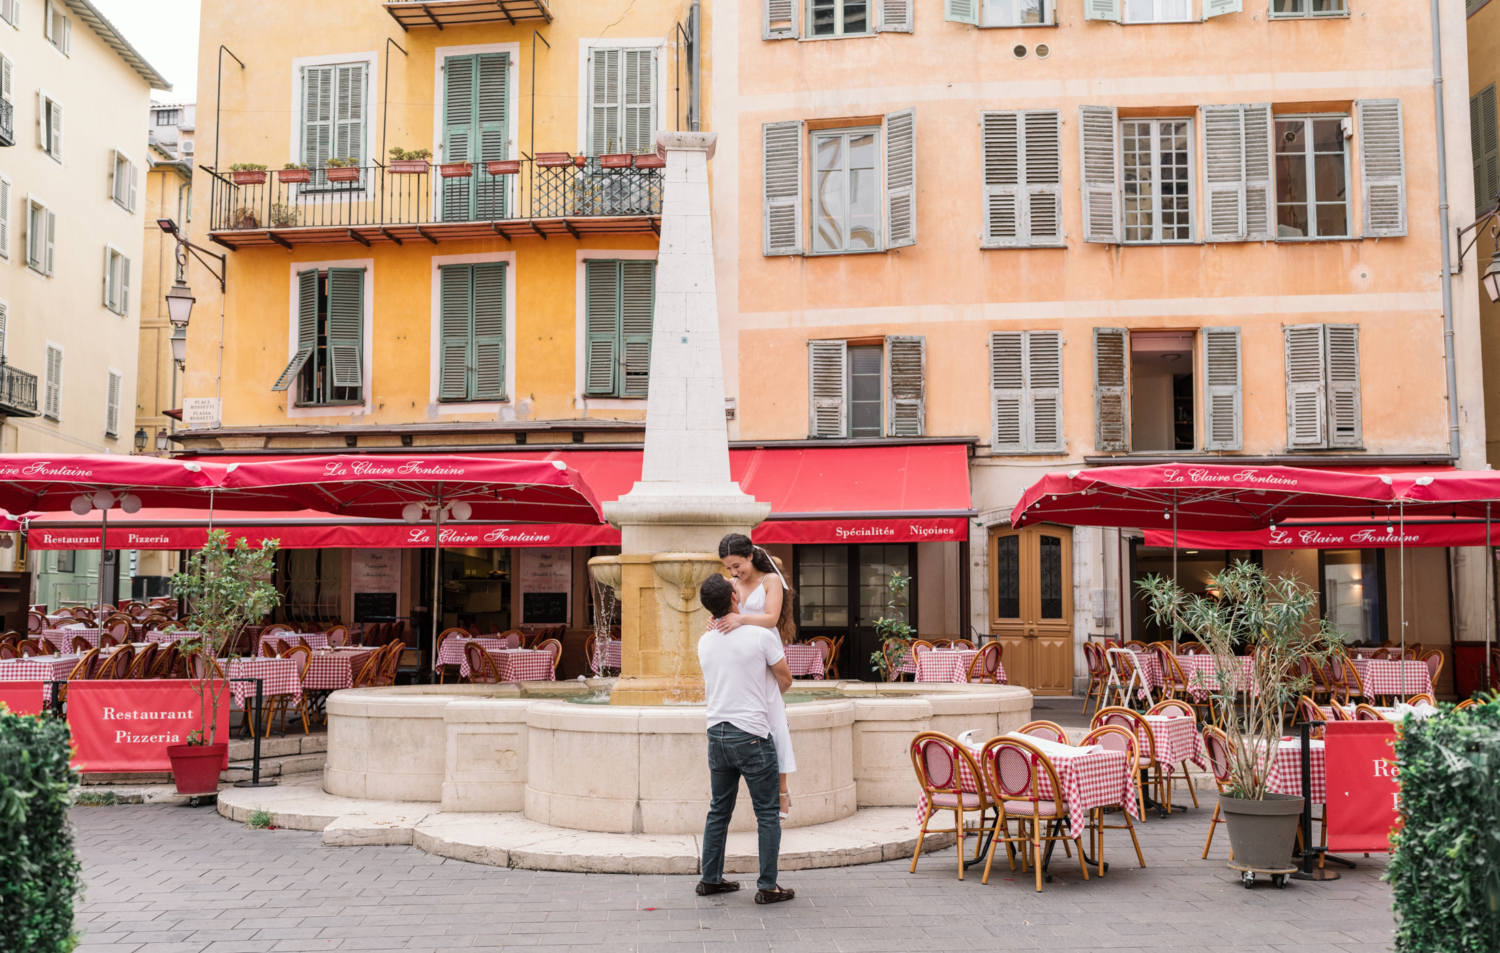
{"x":1450,"y":365}
{"x":695,"y":31}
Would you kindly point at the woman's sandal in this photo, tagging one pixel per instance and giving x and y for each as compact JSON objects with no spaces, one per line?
{"x":785,"y":796}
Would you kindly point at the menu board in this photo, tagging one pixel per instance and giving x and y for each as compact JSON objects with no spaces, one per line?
{"x":546,"y":580}
{"x":375,"y":580}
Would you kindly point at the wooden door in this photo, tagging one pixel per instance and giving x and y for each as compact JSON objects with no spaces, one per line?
{"x":1031,"y":606}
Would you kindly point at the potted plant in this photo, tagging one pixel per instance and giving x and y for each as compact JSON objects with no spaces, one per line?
{"x":282,"y":216}
{"x":409,"y":161}
{"x":248,"y":173}
{"x":294,"y":172}
{"x":228,"y":588}
{"x":341,"y":170}
{"x":896,"y":634}
{"x":1275,"y":621}
{"x":503,"y":166}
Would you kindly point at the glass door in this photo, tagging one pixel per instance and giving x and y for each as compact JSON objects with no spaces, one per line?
{"x":843,"y":590}
{"x":1031,"y":610}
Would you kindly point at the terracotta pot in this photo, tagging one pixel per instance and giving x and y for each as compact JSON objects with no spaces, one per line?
{"x":1263,"y":832}
{"x":580,"y":161}
{"x":294,"y":175}
{"x":650,"y":160}
{"x":408,"y":166}
{"x":620,"y":160}
{"x":456,"y":170}
{"x":503,"y":167}
{"x":553,"y":160}
{"x":347,"y":173}
{"x":196,"y":768}
{"x":254,"y":177}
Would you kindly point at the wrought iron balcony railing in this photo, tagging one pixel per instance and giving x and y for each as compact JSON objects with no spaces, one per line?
{"x":7,"y":123}
{"x":551,"y":195}
{"x":17,"y":392}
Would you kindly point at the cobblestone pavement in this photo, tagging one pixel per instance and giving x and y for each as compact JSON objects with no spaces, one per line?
{"x":169,"y":879}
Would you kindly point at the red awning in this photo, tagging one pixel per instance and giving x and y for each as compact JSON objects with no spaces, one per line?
{"x":1361,"y":535}
{"x":888,"y":494}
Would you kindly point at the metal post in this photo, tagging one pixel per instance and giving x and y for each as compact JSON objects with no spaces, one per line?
{"x":437,"y":566}
{"x":103,"y":541}
{"x":219,"y":97}
{"x":255,"y":781}
{"x":1489,"y":593}
{"x":695,"y":85}
{"x":1309,"y":871}
{"x":1401,"y":669}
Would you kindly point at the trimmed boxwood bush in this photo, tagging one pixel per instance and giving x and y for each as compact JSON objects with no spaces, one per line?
{"x":38,"y":873}
{"x":1445,"y":864}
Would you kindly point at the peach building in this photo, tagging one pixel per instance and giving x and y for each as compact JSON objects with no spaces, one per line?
{"x":1084,"y":233}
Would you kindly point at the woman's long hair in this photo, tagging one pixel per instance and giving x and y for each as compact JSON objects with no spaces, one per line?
{"x":737,"y":544}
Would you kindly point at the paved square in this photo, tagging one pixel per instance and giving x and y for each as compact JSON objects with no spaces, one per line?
{"x":168,"y":879}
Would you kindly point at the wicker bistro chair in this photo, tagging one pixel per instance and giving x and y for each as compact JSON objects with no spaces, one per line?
{"x":1115,"y":738}
{"x":936,"y":758}
{"x":445,"y":670}
{"x":35,"y":622}
{"x":1308,"y":710}
{"x":369,"y":670}
{"x":281,"y":646}
{"x":164,"y":665}
{"x":825,"y":645}
{"x":303,"y":656}
{"x":962,"y":644}
{"x":1192,"y":648}
{"x":144,"y":659}
{"x":1050,"y":731}
{"x":1146,"y":760}
{"x":1363,"y":712}
{"x":1433,"y":659}
{"x":48,"y":647}
{"x":338,"y":635}
{"x":1216,"y":743}
{"x":1014,"y":772}
{"x":1093,"y":658}
{"x":1181,"y":707}
{"x":555,"y":647}
{"x":7,"y":651}
{"x":390,"y":663}
{"x":833,"y":659}
{"x":893,"y":655}
{"x":1339,"y":712}
{"x":482,"y":667}
{"x":1422,"y":698}
{"x":1466,"y":703}
{"x":985,"y":668}
{"x":118,"y":665}
{"x":81,"y":644}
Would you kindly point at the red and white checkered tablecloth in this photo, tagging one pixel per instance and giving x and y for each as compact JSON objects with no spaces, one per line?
{"x":945,"y":665}
{"x":280,"y":676}
{"x":167,"y":638}
{"x":515,"y":665}
{"x":1203,"y":677}
{"x":1286,"y":770}
{"x":38,"y":668}
{"x":1094,"y":779}
{"x":315,"y":640}
{"x":452,"y":652}
{"x":63,"y":638}
{"x":332,"y":671}
{"x":1177,"y":740}
{"x":1383,"y":677}
{"x":804,"y":660}
{"x":608,"y":658}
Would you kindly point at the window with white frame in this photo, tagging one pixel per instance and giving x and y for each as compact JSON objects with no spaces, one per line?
{"x":868,"y":387}
{"x":5,"y":216}
{"x":10,"y":12}
{"x":112,"y":403}
{"x":471,"y":320}
{"x":832,"y":18}
{"x":1322,"y":387}
{"x":839,"y":17}
{"x":1153,"y":390}
{"x":49,"y":130}
{"x":1312,"y":177}
{"x":123,"y":182}
{"x":1309,"y":8}
{"x":57,"y":27}
{"x":1022,"y":190}
{"x":116,"y":281}
{"x":333,"y":119}
{"x":1026,"y":392}
{"x":1157,"y":180}
{"x":41,"y":236}
{"x":328,"y":366}
{"x":621,"y":100}
{"x":995,"y":13}
{"x":1157,"y":11}
{"x":476,"y":104}
{"x":619,"y":313}
{"x":7,"y":82}
{"x":846,"y":195}
{"x":52,"y":383}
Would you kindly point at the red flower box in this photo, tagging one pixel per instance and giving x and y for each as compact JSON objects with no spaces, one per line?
{"x":456,"y":170}
{"x":294,"y":175}
{"x":252,"y":177}
{"x":347,"y":173}
{"x":408,"y":166}
{"x":553,"y":160}
{"x":616,"y":161}
{"x":503,"y":167}
{"x":650,"y":160}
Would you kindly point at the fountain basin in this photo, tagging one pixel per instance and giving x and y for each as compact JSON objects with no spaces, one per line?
{"x":624,"y":769}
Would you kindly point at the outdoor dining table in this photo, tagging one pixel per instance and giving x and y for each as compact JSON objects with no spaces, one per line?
{"x":1385,"y":677}
{"x":175,"y":635}
{"x":607,"y":657}
{"x":804,"y":659}
{"x":1202,"y":674}
{"x":315,"y":640}
{"x":39,"y":668}
{"x":1286,"y":769}
{"x":280,"y":675}
{"x":454,"y":650}
{"x":331,"y":670}
{"x":63,"y":638}
{"x":515,"y":665}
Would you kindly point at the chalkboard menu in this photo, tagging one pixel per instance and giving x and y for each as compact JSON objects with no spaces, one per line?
{"x":544,"y":608}
{"x":374,"y":605}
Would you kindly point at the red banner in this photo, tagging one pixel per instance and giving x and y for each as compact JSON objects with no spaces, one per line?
{"x":127,"y":725}
{"x":314,"y":536}
{"x":23,"y":698}
{"x":1377,"y":535}
{"x":1364,"y":794}
{"x":894,"y":530}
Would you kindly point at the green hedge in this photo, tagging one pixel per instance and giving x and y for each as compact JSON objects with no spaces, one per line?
{"x":38,"y":873}
{"x":1445,"y":865}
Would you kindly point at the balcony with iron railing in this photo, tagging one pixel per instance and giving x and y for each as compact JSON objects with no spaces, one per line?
{"x":551,"y":195}
{"x":17,"y":392}
{"x":7,"y":123}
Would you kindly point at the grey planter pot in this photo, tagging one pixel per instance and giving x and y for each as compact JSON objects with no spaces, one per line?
{"x":1263,"y":833}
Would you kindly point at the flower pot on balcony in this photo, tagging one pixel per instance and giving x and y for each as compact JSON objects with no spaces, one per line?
{"x":456,"y":170}
{"x":345,"y":173}
{"x":619,"y":160}
{"x":580,"y":161}
{"x":289,"y":176}
{"x":553,"y":160}
{"x":650,"y":160}
{"x":503,"y":167}
{"x":408,"y":166}
{"x":249,"y":178}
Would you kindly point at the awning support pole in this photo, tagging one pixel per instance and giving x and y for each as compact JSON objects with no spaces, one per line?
{"x":1174,"y":561}
{"x":1402,"y":541}
{"x":1489,"y":595}
{"x":437,"y":566}
{"x":103,"y":548}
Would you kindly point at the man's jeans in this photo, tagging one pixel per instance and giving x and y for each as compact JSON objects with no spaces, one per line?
{"x":733,"y":754}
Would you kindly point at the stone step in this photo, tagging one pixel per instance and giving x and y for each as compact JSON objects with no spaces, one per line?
{"x":276,"y":767}
{"x":243,"y":749}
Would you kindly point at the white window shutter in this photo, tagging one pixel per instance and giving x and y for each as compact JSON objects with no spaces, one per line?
{"x":52,"y":388}
{"x":4,"y":217}
{"x":1306,"y":401}
{"x":349,"y":114}
{"x":317,"y":119}
{"x":906,"y":372}
{"x":133,"y":183}
{"x":116,"y":181}
{"x":51,"y":241}
{"x":901,"y":178}
{"x":1217,"y":8}
{"x":1344,"y":428}
{"x":7,"y":80}
{"x":778,"y":19}
{"x":895,"y":16}
{"x":109,"y":278}
{"x":1008,"y":391}
{"x":4,"y":308}
{"x":41,"y":119}
{"x":1000,"y":137}
{"x":638,"y":102}
{"x":1224,"y":172}
{"x":67,"y":36}
{"x":1111,"y":389}
{"x":124,"y":285}
{"x":1382,"y":167}
{"x":828,"y":375}
{"x":781,"y":187}
{"x":1101,"y":10}
{"x":1260,"y":185}
{"x":1098,"y":137}
{"x":604,"y":101}
{"x":112,"y":406}
{"x":47,"y":20}
{"x":961,"y":11}
{"x":1044,"y":425}
{"x":1042,"y":172}
{"x":1223,"y":427}
{"x":57,"y":130}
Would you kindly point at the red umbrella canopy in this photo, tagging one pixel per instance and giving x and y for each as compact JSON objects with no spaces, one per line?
{"x":1460,"y":493}
{"x":48,"y":482}
{"x":409,"y":486}
{"x":1205,"y":496}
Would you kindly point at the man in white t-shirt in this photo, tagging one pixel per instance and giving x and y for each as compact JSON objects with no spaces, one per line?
{"x":744,"y":674}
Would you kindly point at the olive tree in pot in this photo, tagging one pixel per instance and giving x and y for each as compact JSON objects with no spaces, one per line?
{"x":1274,"y":619}
{"x":226,"y":585}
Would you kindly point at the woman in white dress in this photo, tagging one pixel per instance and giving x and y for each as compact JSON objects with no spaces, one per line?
{"x":766,"y":601}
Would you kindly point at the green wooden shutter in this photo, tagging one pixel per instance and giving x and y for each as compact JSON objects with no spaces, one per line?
{"x":455,"y":313}
{"x":604,"y":101}
{"x":349,"y":114}
{"x":458,"y":134}
{"x":602,"y":310}
{"x":346,"y":324}
{"x":307,"y":327}
{"x":317,"y":120}
{"x":489,"y":332}
{"x":492,"y":121}
{"x":637,"y":306}
{"x":1484,"y":137}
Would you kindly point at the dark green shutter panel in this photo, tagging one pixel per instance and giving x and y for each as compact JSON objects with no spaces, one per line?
{"x":637,"y":305}
{"x":346,"y":324}
{"x":489,"y":331}
{"x":493,"y":124}
{"x":454,"y":310}
{"x":458,"y":127}
{"x":307,"y":327}
{"x":602,"y":309}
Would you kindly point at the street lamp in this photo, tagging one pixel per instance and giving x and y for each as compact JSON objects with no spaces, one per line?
{"x":161,"y":441}
{"x":140,"y":440}
{"x":180,"y":303}
{"x":179,"y":345}
{"x":1491,"y":277}
{"x":1491,"y":280}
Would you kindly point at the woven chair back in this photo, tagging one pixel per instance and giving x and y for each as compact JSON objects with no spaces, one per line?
{"x":1216,"y":743}
{"x":1173,"y":706}
{"x":1363,"y":712}
{"x":35,"y":622}
{"x":1136,"y":645}
{"x":934,"y":757}
{"x":1046,"y":730}
{"x":144,"y":659}
{"x":81,"y":644}
{"x":1115,"y":738}
{"x":26,"y":648}
{"x":1130,"y":721}
{"x":1016,"y":769}
{"x":1308,"y":710}
{"x":302,"y":654}
{"x":392,"y":662}
{"x":1433,"y":659}
{"x":85,"y":666}
{"x":48,"y":646}
{"x":1422,"y":698}
{"x":921,"y":647}
{"x":1193,"y":648}
{"x":991,"y":654}
{"x":7,"y":651}
{"x":555,"y":647}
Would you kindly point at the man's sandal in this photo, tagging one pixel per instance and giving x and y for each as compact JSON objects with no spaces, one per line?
{"x":723,"y":886}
